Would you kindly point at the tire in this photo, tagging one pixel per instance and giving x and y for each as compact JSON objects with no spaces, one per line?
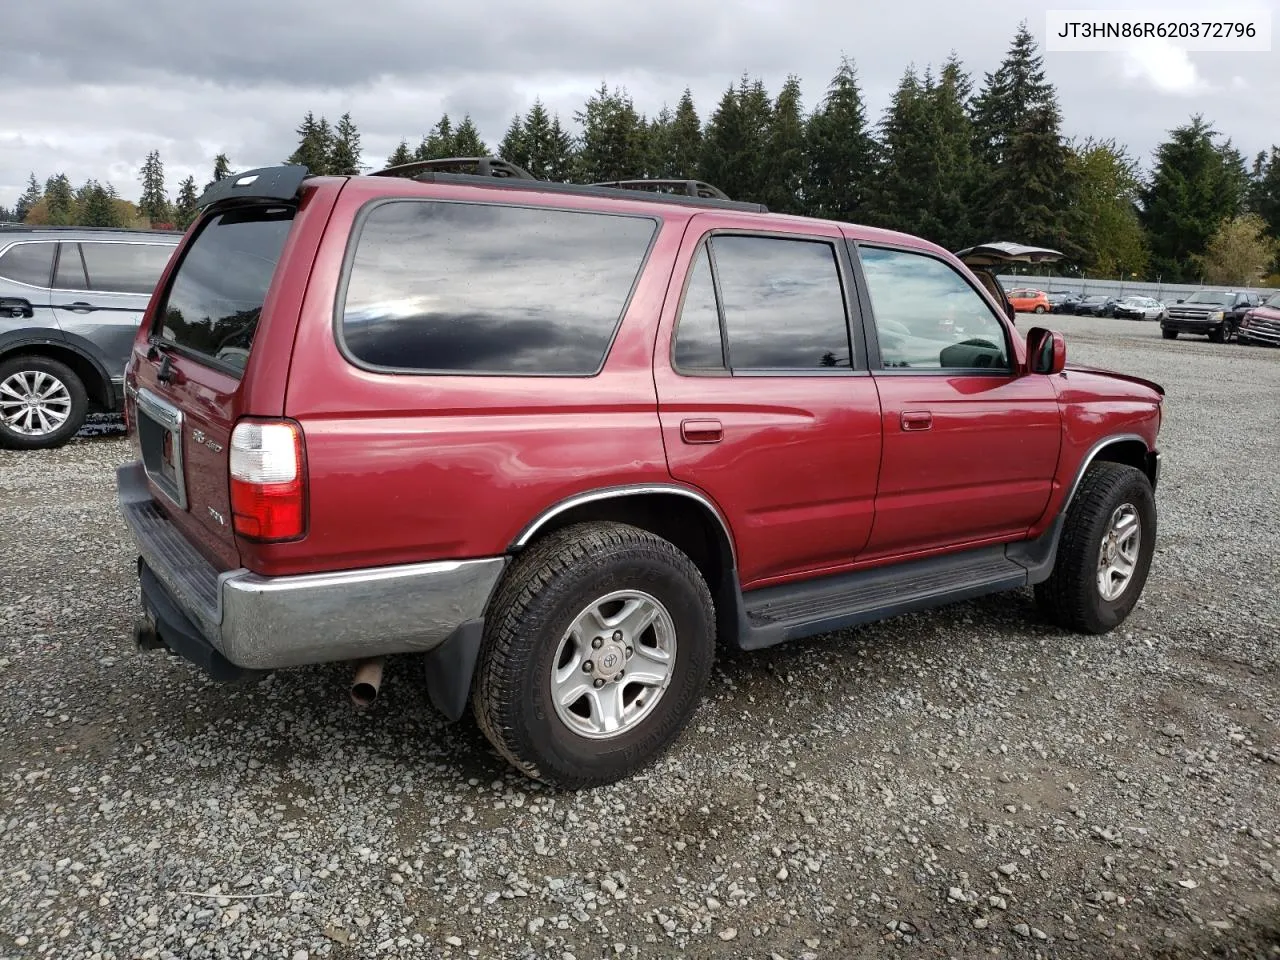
{"x":1072,"y":597}
{"x":1040,"y":308}
{"x":1218,"y":334}
{"x":1168,"y":334}
{"x":551,"y":587}
{"x":68,"y":399}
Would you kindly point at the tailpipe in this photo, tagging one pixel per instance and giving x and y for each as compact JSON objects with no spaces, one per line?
{"x":366,"y":682}
{"x":145,"y":636}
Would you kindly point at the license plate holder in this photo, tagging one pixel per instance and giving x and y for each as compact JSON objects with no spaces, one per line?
{"x":160,"y":440}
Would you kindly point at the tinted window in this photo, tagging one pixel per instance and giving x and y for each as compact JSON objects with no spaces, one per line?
{"x":698,"y":342}
{"x":492,"y":289}
{"x":783,"y":305}
{"x":70,"y":275}
{"x":215,"y":300}
{"x":927,"y":316}
{"x":1211,"y":297}
{"x":29,"y":263}
{"x":125,"y":267}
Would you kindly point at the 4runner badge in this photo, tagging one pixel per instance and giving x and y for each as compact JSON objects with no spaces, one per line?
{"x":199,"y":437}
{"x":222,"y":521}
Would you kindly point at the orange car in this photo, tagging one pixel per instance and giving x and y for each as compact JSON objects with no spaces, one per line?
{"x":1026,"y":300}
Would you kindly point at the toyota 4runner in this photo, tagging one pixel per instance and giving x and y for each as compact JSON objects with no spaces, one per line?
{"x":561,"y":442}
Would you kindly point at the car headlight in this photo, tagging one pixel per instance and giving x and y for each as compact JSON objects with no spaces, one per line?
{"x":1216,"y":315}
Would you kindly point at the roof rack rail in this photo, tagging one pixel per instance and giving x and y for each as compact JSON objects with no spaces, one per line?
{"x":49,"y":228}
{"x":688,"y":188}
{"x":476,"y":166}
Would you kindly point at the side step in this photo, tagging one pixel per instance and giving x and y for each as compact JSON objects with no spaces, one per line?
{"x":792,"y":611}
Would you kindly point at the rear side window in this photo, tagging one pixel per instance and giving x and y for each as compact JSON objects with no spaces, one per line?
{"x":477,"y":288}
{"x":29,"y":263}
{"x":70,"y":275}
{"x":215,"y":300}
{"x":125,"y":267}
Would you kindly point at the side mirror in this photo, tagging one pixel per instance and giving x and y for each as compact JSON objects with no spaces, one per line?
{"x":1046,"y":351}
{"x":1179,"y":300}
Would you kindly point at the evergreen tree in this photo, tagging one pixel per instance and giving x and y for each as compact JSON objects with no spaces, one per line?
{"x":512,"y":146}
{"x":438,"y":143}
{"x":1264,"y":190}
{"x":613,"y":144}
{"x":684,"y":147}
{"x":784,"y":166}
{"x":561,"y":156}
{"x":221,"y":167}
{"x":154,"y":202}
{"x":95,"y":206}
{"x":1032,"y":190}
{"x":344,"y":154}
{"x":1008,"y":97}
{"x":184,"y":212}
{"x":33,"y":195}
{"x":538,"y":144}
{"x":840,"y":152}
{"x":315,"y":145}
{"x":401,"y":155}
{"x":723,"y":143}
{"x":736,"y":141}
{"x":657,"y":138}
{"x":1193,"y":189}
{"x":59,"y":201}
{"x":466,"y":140}
{"x":7,"y":215}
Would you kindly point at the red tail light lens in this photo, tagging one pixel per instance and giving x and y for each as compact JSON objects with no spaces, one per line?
{"x":268,"y":480}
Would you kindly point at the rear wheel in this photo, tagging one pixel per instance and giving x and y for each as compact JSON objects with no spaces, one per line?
{"x":596,"y":652}
{"x":1105,"y":552}
{"x":1040,"y":308}
{"x":42,"y":403}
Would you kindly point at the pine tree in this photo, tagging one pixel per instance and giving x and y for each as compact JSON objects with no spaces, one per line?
{"x":95,"y":206}
{"x":538,"y":144}
{"x":1264,"y":189}
{"x":467,"y":141}
{"x":756,"y":113}
{"x":154,"y":202}
{"x":684,"y":149}
{"x":344,"y":154}
{"x":401,"y":155}
{"x":1193,"y":189}
{"x":561,"y":155}
{"x":613,"y":144}
{"x":221,"y":167}
{"x":315,"y":145}
{"x":785,"y":159}
{"x":1009,"y":96}
{"x":59,"y":200}
{"x":840,"y":152}
{"x":512,"y":146}
{"x":723,"y":143}
{"x":33,"y":195}
{"x":438,"y":144}
{"x":1032,"y":191}
{"x":184,"y":212}
{"x":658,"y":133}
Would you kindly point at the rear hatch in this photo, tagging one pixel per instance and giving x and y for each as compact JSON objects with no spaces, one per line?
{"x":192,"y":361}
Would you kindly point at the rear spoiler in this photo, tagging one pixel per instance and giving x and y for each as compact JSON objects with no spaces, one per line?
{"x":265,"y":183}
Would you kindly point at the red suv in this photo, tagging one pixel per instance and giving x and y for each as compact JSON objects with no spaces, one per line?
{"x":560,"y":442}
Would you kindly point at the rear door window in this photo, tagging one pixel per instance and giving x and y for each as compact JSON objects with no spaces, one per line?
{"x":29,"y":263}
{"x":214,"y":302}
{"x":124,"y":267}
{"x":484,"y":288}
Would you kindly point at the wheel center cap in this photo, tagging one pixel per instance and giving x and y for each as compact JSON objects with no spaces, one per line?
{"x":608,"y":660}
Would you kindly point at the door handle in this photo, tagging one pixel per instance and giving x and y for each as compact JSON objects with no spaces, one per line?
{"x":78,"y":307}
{"x":701,"y":431}
{"x":917,"y":420}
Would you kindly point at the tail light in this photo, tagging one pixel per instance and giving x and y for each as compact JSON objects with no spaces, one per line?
{"x":268,"y":480}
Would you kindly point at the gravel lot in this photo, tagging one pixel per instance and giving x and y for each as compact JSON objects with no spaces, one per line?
{"x":964,"y":782}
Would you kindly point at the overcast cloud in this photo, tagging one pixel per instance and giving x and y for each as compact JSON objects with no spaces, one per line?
{"x":88,"y":87}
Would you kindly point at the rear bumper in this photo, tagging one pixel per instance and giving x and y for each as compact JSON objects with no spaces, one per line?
{"x":263,"y":623}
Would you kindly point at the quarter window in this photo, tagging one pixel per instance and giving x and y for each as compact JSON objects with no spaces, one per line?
{"x":927,"y":315}
{"x":782,"y":303}
{"x":29,"y":263}
{"x":477,"y":288}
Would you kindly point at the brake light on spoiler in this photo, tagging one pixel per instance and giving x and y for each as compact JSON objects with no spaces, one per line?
{"x":268,"y":480}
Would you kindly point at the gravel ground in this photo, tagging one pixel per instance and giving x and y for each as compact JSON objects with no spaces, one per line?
{"x":964,"y":782}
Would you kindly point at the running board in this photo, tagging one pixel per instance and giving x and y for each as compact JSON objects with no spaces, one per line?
{"x":774,"y":615}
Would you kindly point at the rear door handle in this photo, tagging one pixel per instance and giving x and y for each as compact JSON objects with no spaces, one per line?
{"x":917,"y":420}
{"x":78,"y":307}
{"x":701,"y":431}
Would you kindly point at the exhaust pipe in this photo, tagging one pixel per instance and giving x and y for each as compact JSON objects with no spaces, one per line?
{"x":366,"y":682}
{"x":145,"y":636}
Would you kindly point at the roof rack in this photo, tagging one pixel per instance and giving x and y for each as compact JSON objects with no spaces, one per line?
{"x":477,"y":166}
{"x":688,"y":188}
{"x":49,"y":228}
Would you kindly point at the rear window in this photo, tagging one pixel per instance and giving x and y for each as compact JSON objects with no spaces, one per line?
{"x":215,"y":299}
{"x":484,"y":288}
{"x":29,"y":263}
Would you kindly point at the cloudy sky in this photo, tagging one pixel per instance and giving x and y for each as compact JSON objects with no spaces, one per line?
{"x":88,"y":87}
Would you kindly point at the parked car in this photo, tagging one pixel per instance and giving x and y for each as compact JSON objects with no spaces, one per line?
{"x":1098,"y":305}
{"x":1215,"y":314}
{"x":1057,"y":298}
{"x":71,"y":300}
{"x":1261,"y":324}
{"x":1028,"y":300}
{"x":561,"y":443}
{"x":1139,"y":308}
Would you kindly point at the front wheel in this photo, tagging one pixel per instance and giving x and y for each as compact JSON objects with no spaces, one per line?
{"x":1104,"y":555}
{"x":597,"y":649}
{"x":42,"y":403}
{"x":1168,"y":334}
{"x":1040,"y":308}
